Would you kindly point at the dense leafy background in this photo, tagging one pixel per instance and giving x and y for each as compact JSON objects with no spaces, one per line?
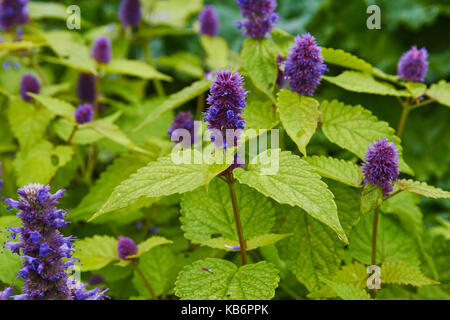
{"x":176,"y":50}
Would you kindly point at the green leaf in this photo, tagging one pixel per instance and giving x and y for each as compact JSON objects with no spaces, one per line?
{"x":173,"y":12}
{"x":295,"y":183}
{"x":347,"y":291}
{"x":159,"y":178}
{"x":312,"y":251}
{"x":423,"y":189}
{"x":96,"y":252}
{"x":10,"y":263}
{"x":184,"y":62}
{"x":354,"y":128}
{"x":354,"y":274}
{"x":112,"y":132}
{"x":83,"y":135}
{"x":344,"y":59}
{"x":337,"y":169}
{"x":175,"y":100}
{"x":227,"y":282}
{"x":135,"y":68}
{"x":117,"y":172}
{"x":71,"y":51}
{"x":416,"y":89}
{"x":40,"y":163}
{"x":40,"y":10}
{"x":393,"y":243}
{"x":27,"y":122}
{"x":347,"y":200}
{"x":403,"y":273}
{"x":251,"y":243}
{"x":299,"y":115}
{"x":56,"y":106}
{"x":216,"y":50}
{"x":440,"y":92}
{"x":258,"y":58}
{"x":159,"y":266}
{"x":207,"y":213}
{"x":371,"y":197}
{"x":149,"y":244}
{"x":362,"y":82}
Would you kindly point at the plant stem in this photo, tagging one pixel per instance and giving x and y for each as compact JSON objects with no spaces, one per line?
{"x":157,"y":83}
{"x":72,"y":134}
{"x":200,"y":106}
{"x":144,"y":279}
{"x":374,"y":241}
{"x":401,"y":124}
{"x":243,"y":250}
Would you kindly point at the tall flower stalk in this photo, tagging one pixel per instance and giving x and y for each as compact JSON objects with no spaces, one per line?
{"x":226,"y":102}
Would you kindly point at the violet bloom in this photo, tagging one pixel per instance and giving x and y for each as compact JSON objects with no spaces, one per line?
{"x":130,"y":13}
{"x":87,"y":87}
{"x":6,"y":293}
{"x":101,"y":50}
{"x":13,"y":13}
{"x":226,"y":102}
{"x":29,"y":83}
{"x":95,"y":280}
{"x":381,"y":167}
{"x":413,"y":65}
{"x":209,"y":22}
{"x":45,"y":252}
{"x":304,"y":65}
{"x":84,"y":113}
{"x":259,"y":17}
{"x":184,"y":120}
{"x":126,"y":247}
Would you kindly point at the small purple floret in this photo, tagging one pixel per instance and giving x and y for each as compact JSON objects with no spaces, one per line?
{"x":209,"y":22}
{"x":84,"y":113}
{"x":304,"y":65}
{"x":126,"y":247}
{"x":130,"y":13}
{"x":259,"y":17}
{"x":29,"y":83}
{"x":13,"y":13}
{"x":87,"y":87}
{"x":184,"y":120}
{"x":381,"y":166}
{"x":101,"y":50}
{"x":413,"y":65}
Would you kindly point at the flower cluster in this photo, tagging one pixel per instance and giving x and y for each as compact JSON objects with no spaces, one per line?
{"x":29,"y":83}
{"x":126,"y":247}
{"x":101,"y":50}
{"x":381,"y":167}
{"x":184,"y":120}
{"x":304,"y":65}
{"x":87,"y":87}
{"x":130,"y":13}
{"x":84,"y":113}
{"x":45,"y":252}
{"x":413,"y":65}
{"x":209,"y":22}
{"x":259,"y":17}
{"x":226,"y":102}
{"x":13,"y":13}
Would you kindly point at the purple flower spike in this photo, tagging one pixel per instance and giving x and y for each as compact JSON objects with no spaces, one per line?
{"x":226,"y":102}
{"x":381,"y":167}
{"x":259,"y":17}
{"x":13,"y":13}
{"x":184,"y":120}
{"x":87,"y":87}
{"x":130,"y":13}
{"x":29,"y":83}
{"x":84,"y":113}
{"x":126,"y":247}
{"x":413,"y":65}
{"x":304,"y":65}
{"x":101,"y":50}
{"x":209,"y":22}
{"x":96,"y":279}
{"x":43,"y":248}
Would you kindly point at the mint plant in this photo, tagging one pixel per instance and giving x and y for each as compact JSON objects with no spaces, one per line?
{"x":219,"y":151}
